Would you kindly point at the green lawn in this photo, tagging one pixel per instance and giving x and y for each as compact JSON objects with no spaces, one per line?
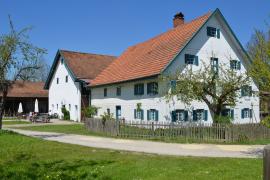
{"x":23,"y":157}
{"x":15,"y":122}
{"x":81,"y":130}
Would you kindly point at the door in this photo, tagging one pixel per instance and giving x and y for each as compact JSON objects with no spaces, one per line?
{"x":118,"y":112}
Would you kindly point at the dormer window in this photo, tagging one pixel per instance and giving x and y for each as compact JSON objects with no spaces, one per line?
{"x":213,"y":32}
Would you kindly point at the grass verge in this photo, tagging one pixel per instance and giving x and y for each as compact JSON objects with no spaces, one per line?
{"x":23,"y":157}
{"x":15,"y":122}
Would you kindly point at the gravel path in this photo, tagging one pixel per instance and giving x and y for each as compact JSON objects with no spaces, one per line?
{"x":203,"y":150}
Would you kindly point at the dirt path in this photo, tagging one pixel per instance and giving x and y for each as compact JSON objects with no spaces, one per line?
{"x":203,"y":150}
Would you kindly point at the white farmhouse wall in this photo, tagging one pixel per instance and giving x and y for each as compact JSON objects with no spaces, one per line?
{"x":64,"y":93}
{"x":202,"y":46}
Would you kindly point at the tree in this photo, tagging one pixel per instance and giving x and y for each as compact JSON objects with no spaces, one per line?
{"x":259,"y":51}
{"x":17,"y":56}
{"x":218,"y":88}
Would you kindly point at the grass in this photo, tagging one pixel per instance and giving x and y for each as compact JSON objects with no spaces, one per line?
{"x":23,"y":157}
{"x":15,"y":122}
{"x":81,"y":130}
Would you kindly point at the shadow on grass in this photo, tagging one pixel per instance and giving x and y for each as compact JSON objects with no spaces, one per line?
{"x":26,"y":166}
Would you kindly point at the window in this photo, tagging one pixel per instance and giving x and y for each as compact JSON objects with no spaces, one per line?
{"x":235,"y":64}
{"x":246,"y":113}
{"x":139,"y":89}
{"x":57,"y":80}
{"x":66,"y":79}
{"x":173,"y":85}
{"x":108,"y":111}
{"x":152,"y":115}
{"x":191,"y":59}
{"x":213,"y":32}
{"x":62,"y":60}
{"x":214,"y":65}
{"x":200,"y":114}
{"x":105,"y":92}
{"x":138,"y":114}
{"x":179,"y":115}
{"x":69,"y":107}
{"x":228,"y":112}
{"x":152,"y":88}
{"x":118,"y":91}
{"x":246,"y":91}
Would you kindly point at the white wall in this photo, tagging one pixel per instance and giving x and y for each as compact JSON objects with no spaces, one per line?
{"x":64,"y":93}
{"x":202,"y":46}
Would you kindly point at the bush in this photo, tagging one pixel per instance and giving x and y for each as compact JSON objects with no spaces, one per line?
{"x":90,"y":111}
{"x":106,"y":116}
{"x":66,"y":113}
{"x":223,"y":119}
{"x":266,"y":121}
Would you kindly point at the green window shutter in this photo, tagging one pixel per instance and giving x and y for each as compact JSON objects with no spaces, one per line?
{"x":156,"y":115}
{"x":242,"y":113}
{"x":232,"y":113}
{"x":205,"y":115}
{"x":186,"y":58}
{"x":135,"y":89}
{"x":208,"y":31}
{"x":148,"y":115}
{"x":242,"y":91}
{"x":173,"y":85}
{"x":194,"y":115}
{"x":196,"y":59}
{"x":173,"y":114}
{"x":186,"y":115}
{"x":135,"y":113}
{"x":218,"y":33}
{"x":142,"y":89}
{"x":238,"y":65}
{"x":142,"y":113}
{"x":250,"y":90}
{"x":149,"y":85}
{"x":231,"y":64}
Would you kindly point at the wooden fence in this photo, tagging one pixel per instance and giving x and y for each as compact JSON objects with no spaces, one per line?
{"x":181,"y":132}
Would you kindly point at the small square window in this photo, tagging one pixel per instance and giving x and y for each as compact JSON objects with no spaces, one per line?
{"x":152,"y":88}
{"x":191,"y":59}
{"x":246,"y":91}
{"x":105,"y":92}
{"x":118,"y":91}
{"x":139,"y":89}
{"x":235,"y":64}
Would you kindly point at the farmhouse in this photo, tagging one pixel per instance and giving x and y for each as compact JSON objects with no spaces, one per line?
{"x":119,"y":85}
{"x":68,"y":78}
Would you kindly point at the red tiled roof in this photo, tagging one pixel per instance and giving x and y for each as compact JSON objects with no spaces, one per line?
{"x":27,"y":89}
{"x":86,"y":65}
{"x":150,"y":57}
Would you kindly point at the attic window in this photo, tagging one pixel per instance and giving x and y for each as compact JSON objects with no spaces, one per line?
{"x":213,"y":32}
{"x":62,"y":60}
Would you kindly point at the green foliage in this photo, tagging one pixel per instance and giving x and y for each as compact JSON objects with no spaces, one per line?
{"x":106,"y":117}
{"x":266,"y":121}
{"x":139,"y":106}
{"x":259,"y":51}
{"x":65,"y":113}
{"x":222,"y":119}
{"x":90,"y":111}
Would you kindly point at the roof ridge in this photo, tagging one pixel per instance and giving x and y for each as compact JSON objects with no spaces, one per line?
{"x":79,"y":52}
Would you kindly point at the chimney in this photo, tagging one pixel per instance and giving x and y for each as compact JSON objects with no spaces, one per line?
{"x":178,"y":19}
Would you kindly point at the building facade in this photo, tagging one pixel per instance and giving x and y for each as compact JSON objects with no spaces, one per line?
{"x":132,"y":79}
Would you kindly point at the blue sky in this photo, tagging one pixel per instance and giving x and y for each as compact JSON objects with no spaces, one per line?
{"x":110,"y":26}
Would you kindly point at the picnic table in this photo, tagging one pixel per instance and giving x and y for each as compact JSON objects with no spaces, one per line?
{"x":41,"y":117}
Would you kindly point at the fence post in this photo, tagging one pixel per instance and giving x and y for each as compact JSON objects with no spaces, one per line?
{"x":266,"y":163}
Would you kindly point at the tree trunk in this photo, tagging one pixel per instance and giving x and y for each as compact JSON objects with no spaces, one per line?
{"x":2,"y":105}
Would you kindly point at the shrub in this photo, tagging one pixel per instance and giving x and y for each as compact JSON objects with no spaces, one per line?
{"x":223,"y":119}
{"x":106,"y":117}
{"x":266,"y":121}
{"x":90,"y":111}
{"x":65,"y":113}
